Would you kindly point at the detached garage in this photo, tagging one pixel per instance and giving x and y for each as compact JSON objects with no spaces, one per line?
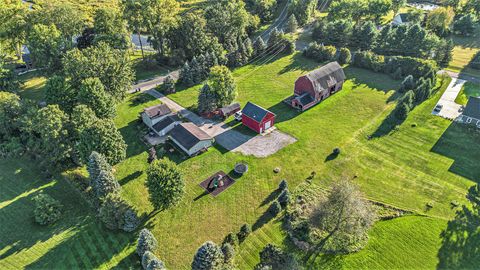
{"x":257,"y":118}
{"x":190,"y":138}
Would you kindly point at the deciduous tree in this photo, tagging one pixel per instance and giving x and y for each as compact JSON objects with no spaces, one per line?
{"x":92,"y":93}
{"x":165,"y":184}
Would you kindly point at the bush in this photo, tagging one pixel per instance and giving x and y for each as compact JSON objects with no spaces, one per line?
{"x":272,"y":257}
{"x":344,"y":56}
{"x":283,"y":185}
{"x":228,"y":252}
{"x":320,"y":53}
{"x":245,"y":230}
{"x":146,"y":242}
{"x":47,"y":209}
{"x":231,"y":239}
{"x":168,"y":86}
{"x":147,"y":257}
{"x":275,"y":208}
{"x":284,"y":198}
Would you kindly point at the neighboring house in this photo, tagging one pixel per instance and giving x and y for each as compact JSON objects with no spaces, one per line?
{"x":166,"y":124}
{"x":471,"y":112}
{"x":257,"y":118}
{"x":317,"y":85}
{"x":190,"y":138}
{"x":155,"y":114}
{"x":401,"y":18}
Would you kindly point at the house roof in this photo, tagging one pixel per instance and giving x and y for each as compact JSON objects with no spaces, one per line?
{"x":157,"y":110}
{"x":305,"y":99}
{"x":404,"y":17}
{"x":255,"y":112}
{"x":230,"y":108}
{"x":167,"y":121}
{"x":473,"y":108}
{"x":326,"y":76}
{"x":188,"y":135}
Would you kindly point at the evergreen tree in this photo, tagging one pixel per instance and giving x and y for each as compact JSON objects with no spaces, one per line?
{"x":106,"y":184}
{"x":446,"y":53}
{"x":196,"y":71}
{"x":208,"y":257}
{"x":228,"y":253}
{"x":245,"y":230}
{"x":283,"y":185}
{"x":96,"y":164}
{"x":275,"y":208}
{"x":402,"y":110}
{"x":274,"y":39}
{"x":407,"y":84}
{"x":397,"y":74}
{"x":186,"y":75}
{"x":146,"y":242}
{"x":292,"y":24}
{"x":156,"y":264}
{"x":259,"y":47}
{"x":272,"y":257}
{"x":408,"y":99}
{"x":344,"y":56}
{"x":112,"y":211}
{"x":231,"y":239}
{"x":168,"y":85}
{"x":206,"y":99}
{"x":284,"y":198}
{"x":365,"y":37}
{"x":465,"y":25}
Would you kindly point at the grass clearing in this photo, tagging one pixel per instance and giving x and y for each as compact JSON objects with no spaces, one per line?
{"x":465,"y":49}
{"x":469,"y":90}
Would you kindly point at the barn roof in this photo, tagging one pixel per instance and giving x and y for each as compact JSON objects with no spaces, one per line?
{"x":157,"y":110}
{"x":326,"y":76}
{"x":167,"y":121}
{"x":255,"y":112}
{"x":473,"y":108}
{"x":188,"y":135}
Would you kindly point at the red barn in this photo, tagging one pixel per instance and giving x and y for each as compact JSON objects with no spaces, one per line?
{"x":257,"y":118}
{"x":317,"y":85}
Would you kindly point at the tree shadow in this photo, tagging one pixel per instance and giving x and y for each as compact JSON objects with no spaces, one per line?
{"x":300,"y":63}
{"x":140,"y":99}
{"x":131,"y":134}
{"x":272,"y":196}
{"x":203,"y":194}
{"x":461,"y":241}
{"x":284,"y":112}
{"x":387,"y":126}
{"x":332,"y":156}
{"x":130,"y":177}
{"x":374,"y":80}
{"x":262,"y":220}
{"x":461,"y":143}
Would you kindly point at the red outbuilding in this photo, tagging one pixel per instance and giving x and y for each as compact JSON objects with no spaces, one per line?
{"x":257,"y":118}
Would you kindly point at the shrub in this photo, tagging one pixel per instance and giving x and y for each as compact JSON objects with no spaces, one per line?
{"x":208,"y":256}
{"x":156,"y":264}
{"x":116,"y":214}
{"x":272,"y":257}
{"x":283,"y":185}
{"x":168,"y":86}
{"x":228,"y":252}
{"x":245,"y":230}
{"x":147,"y":257}
{"x":275,"y":208}
{"x":47,"y":209}
{"x":344,"y":56}
{"x":146,"y":242}
{"x":284,"y":198}
{"x":320,"y":53}
{"x":369,"y":60}
{"x":231,"y":239}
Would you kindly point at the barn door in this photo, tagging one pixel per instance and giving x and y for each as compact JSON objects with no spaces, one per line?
{"x":268,"y":124}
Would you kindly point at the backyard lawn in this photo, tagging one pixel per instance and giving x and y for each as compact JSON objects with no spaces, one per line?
{"x":469,"y":90}
{"x":465,"y":49}
{"x":425,"y":160}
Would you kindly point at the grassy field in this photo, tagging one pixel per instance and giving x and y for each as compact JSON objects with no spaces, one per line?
{"x":465,"y":49}
{"x":426,"y":160}
{"x":469,"y":90}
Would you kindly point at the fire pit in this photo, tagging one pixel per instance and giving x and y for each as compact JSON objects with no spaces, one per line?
{"x":241,"y":168}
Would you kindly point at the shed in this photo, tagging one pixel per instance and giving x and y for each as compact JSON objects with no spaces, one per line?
{"x":155,"y":114}
{"x":229,"y":110}
{"x":257,"y":118}
{"x":190,"y":138}
{"x":166,"y":124}
{"x":471,"y":113}
{"x":317,"y":85}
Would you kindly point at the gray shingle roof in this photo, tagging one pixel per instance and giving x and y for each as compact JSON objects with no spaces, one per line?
{"x":167,"y":121}
{"x":188,"y":135}
{"x":157,"y":110}
{"x":255,"y":112}
{"x":326,"y":76}
{"x":473,"y":108}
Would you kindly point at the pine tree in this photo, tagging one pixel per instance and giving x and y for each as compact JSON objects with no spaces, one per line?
{"x":283,"y":185}
{"x":284,"y":198}
{"x":146,"y":242}
{"x":345,"y":56}
{"x":292,"y":24}
{"x":402,"y":110}
{"x":407,"y":84}
{"x":245,"y":230}
{"x":96,"y":164}
{"x":206,"y":99}
{"x":208,"y":257}
{"x":409,"y":99}
{"x":196,"y":71}
{"x":106,"y":184}
{"x":186,"y":74}
{"x":446,"y":53}
{"x":203,"y":66}
{"x":275,"y":208}
{"x":259,"y":46}
{"x":228,"y":252}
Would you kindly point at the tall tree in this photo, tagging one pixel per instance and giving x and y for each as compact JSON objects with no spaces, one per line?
{"x":13,"y":24}
{"x":135,"y":12}
{"x":206,"y":99}
{"x":227,"y":20}
{"x":160,"y":19}
{"x":440,"y":19}
{"x":223,"y":85}
{"x":376,"y":9}
{"x":111,"y":66}
{"x":365,"y":37}
{"x":92,"y":93}
{"x":465,"y":25}
{"x":165,"y":184}
{"x":110,"y":27}
{"x":97,"y":163}
{"x":53,"y":141}
{"x":8,"y":79}
{"x":58,"y":91}
{"x":345,"y":217}
{"x":208,"y":257}
{"x":10,"y":110}
{"x":106,"y":184}
{"x":46,"y":47}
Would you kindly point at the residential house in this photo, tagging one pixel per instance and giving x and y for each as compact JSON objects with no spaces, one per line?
{"x":190,"y":138}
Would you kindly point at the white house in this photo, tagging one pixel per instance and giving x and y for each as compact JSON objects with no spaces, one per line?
{"x":166,"y":124}
{"x":190,"y":138}
{"x":155,"y":114}
{"x":471,"y":113}
{"x":401,"y":18}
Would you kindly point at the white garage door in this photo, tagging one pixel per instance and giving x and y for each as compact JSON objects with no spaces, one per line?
{"x":268,"y":125}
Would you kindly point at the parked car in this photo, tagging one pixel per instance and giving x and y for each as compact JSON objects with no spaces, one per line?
{"x":438,"y":108}
{"x":238,"y":116}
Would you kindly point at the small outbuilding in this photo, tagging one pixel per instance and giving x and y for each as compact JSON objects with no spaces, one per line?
{"x":155,"y":114}
{"x":229,"y":110}
{"x":257,"y":118}
{"x":471,"y":112}
{"x":317,"y":85}
{"x":190,"y":138}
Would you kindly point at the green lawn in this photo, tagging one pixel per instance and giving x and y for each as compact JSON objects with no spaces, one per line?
{"x":434,"y":162}
{"x":465,"y":49}
{"x":469,"y":90}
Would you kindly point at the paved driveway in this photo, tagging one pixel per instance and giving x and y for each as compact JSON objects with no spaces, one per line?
{"x":451,"y":110}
